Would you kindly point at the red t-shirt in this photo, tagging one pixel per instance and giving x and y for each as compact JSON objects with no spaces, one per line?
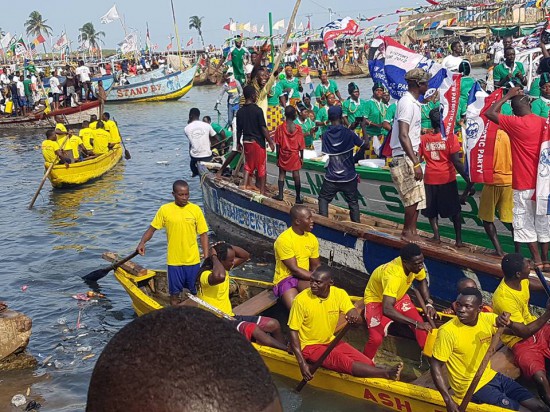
{"x":437,"y":154}
{"x":525,"y":133}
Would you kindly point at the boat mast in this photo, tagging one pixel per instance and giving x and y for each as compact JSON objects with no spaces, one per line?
{"x":177,"y":35}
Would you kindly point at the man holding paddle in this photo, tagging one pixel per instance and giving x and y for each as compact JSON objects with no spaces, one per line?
{"x":183,"y":221}
{"x":313,"y":319}
{"x":461,"y":345}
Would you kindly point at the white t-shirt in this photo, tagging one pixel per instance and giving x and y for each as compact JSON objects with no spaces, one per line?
{"x":54,"y":85}
{"x":84,"y":73}
{"x":409,"y":111}
{"x":451,"y":62}
{"x":199,"y":134}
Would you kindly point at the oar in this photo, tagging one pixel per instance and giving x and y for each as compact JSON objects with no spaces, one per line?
{"x":543,"y":281}
{"x":127,"y":154}
{"x":101,"y":273}
{"x":325,"y":354}
{"x":209,"y":307}
{"x":490,"y":352}
{"x":424,"y":308}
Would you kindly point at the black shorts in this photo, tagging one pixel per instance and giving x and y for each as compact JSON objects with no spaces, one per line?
{"x":442,"y":200}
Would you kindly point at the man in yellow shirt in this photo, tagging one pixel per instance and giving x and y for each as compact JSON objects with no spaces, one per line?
{"x":87,"y":135}
{"x":387,"y":301}
{"x":531,"y":345}
{"x":183,"y":221}
{"x":93,"y":121}
{"x":296,"y":256}
{"x":461,"y":345}
{"x":313,"y":319}
{"x":51,"y":149}
{"x":101,"y":139}
{"x":112,"y":128}
{"x":213,"y":288}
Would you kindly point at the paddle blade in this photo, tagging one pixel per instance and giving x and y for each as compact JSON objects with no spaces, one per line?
{"x":97,"y":274}
{"x":127,"y":154}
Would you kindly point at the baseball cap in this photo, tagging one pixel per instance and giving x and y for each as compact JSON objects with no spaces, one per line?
{"x":418,"y":75}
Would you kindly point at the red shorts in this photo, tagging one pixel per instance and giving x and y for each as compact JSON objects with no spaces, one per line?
{"x":255,"y":158}
{"x":530,"y":353}
{"x":246,"y":325}
{"x":340,"y":359}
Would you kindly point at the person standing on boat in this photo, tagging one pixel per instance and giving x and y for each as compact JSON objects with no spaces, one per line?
{"x":276,"y":101}
{"x":405,"y":168}
{"x":290,"y":145}
{"x":55,"y":89}
{"x":541,"y":106}
{"x":453,"y":60}
{"x":183,"y":221}
{"x":321,"y":118}
{"x":306,"y":100}
{"x":237,"y":60}
{"x":326,"y":86}
{"x":431,"y":101}
{"x":83,"y":73}
{"x":213,"y":287}
{"x":307,"y":125}
{"x":386,"y":299}
{"x":524,"y":130}
{"x":531,"y":345}
{"x":461,"y":345}
{"x":508,"y":69}
{"x":234,"y":91}
{"x":199,"y":134}
{"x":353,"y":109}
{"x":296,"y":255}
{"x":340,"y":175}
{"x":375,"y":112}
{"x":292,"y":86}
{"x":312,"y":321}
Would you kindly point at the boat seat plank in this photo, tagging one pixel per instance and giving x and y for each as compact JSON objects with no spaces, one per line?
{"x":130,"y":267}
{"x":257,"y":304}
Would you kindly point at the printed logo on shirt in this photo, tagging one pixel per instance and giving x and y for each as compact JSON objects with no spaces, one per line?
{"x":434,"y":148}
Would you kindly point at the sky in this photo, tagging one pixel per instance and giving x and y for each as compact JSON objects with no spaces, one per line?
{"x":71,"y":15}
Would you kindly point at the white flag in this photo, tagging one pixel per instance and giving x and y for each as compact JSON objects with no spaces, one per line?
{"x":61,"y":42}
{"x":301,"y":26}
{"x":5,"y":41}
{"x":279,"y":25}
{"x":111,"y":16}
{"x":246,"y":26}
{"x":262,"y":29}
{"x":129,"y":44}
{"x":255,"y":29}
{"x":233,"y":26}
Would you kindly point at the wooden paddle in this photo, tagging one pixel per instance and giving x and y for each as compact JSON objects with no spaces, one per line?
{"x":485,"y":361}
{"x":325,"y":354}
{"x":101,"y":273}
{"x":209,"y":307}
{"x":127,"y":154}
{"x":424,"y":308}
{"x":543,"y":280}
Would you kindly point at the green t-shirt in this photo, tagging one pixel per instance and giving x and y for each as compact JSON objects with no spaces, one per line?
{"x":274,"y":94}
{"x":237,"y":61}
{"x":535,"y":88}
{"x":293,"y":84}
{"x":27,"y":85}
{"x":307,"y":125}
{"x":390,"y":114}
{"x":541,"y":107}
{"x":322,"y":116}
{"x":501,"y":71}
{"x":321,"y":89}
{"x":507,"y":109}
{"x":352,"y":109}
{"x":218,"y":129}
{"x":425,"y":111}
{"x":375,"y":111}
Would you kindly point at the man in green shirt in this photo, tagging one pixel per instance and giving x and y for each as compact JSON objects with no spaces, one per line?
{"x":308,"y":125}
{"x":28,"y":91}
{"x":292,"y":86}
{"x":225,"y":134}
{"x":237,"y":60}
{"x":540,"y":107}
{"x":505,"y":71}
{"x":325,"y":86}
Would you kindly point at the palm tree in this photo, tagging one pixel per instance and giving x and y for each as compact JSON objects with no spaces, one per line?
{"x":195,"y":22}
{"x":36,"y":26}
{"x":88,"y":33}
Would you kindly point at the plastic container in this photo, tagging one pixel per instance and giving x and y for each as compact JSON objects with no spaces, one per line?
{"x":430,"y":341}
{"x":318,"y":147}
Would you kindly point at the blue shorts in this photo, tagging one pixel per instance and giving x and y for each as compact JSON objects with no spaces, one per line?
{"x":504,"y":392}
{"x":180,"y":277}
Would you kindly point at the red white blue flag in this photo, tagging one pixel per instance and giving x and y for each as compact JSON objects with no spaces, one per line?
{"x":449,"y":96}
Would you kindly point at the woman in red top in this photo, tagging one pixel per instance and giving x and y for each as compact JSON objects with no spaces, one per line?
{"x":289,"y":139}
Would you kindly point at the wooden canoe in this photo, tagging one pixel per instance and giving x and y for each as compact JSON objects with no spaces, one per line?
{"x":83,"y":172}
{"x":148,"y":292}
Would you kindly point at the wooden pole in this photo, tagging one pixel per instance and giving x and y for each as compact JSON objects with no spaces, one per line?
{"x":177,"y":35}
{"x":271,"y":38}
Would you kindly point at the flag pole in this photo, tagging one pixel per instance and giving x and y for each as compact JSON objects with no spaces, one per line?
{"x":271,"y":38}
{"x":177,"y":35}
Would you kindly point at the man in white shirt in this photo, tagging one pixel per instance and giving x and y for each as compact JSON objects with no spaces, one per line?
{"x":199,"y":134}
{"x":83,"y":73}
{"x":405,"y":167}
{"x":56,"y":91}
{"x":453,"y":60}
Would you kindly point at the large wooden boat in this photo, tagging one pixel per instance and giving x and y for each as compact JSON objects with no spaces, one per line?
{"x":148,"y":291}
{"x":82,"y":172}
{"x":72,"y":117}
{"x":172,"y":86}
{"x":255,"y":221}
{"x":350,"y":69}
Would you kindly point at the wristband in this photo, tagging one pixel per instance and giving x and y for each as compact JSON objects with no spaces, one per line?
{"x":430,"y":305}
{"x":416,"y":165}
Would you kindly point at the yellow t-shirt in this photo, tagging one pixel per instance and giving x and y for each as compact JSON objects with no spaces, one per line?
{"x":73,"y":144}
{"x":502,"y":160}
{"x":462,"y":348}
{"x":61,"y":127}
{"x":93,"y":125}
{"x":289,"y":244}
{"x":112,"y":128}
{"x":390,"y":279}
{"x":183,"y":225}
{"x":49,"y":147}
{"x":516,"y":302}
{"x":216,"y":295}
{"x":101,"y":141}
{"x":314,"y":318}
{"x":87,"y":136}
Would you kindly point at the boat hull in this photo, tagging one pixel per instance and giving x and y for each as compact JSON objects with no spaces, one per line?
{"x":170,"y":87}
{"x":86,"y":171}
{"x":360,"y":248}
{"x":379,"y":197}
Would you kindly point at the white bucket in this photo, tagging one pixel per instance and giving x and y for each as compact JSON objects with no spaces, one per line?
{"x":317,"y":145}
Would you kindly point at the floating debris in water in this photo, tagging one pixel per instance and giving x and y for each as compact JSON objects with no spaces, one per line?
{"x":32,"y":406}
{"x":24,"y":288}
{"x":91,"y":355}
{"x":57,"y":364}
{"x":162,"y":162}
{"x":84,"y":349}
{"x":45,"y":361}
{"x":18,"y":400}
{"x":81,"y":296}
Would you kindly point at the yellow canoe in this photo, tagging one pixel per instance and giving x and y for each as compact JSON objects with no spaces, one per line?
{"x":397,"y":396}
{"x":82,"y":172}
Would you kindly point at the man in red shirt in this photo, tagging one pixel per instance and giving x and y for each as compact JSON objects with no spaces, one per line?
{"x":442,"y":163}
{"x":525,"y":131}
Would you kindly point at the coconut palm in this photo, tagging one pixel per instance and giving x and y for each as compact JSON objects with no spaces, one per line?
{"x":88,"y":33}
{"x":37,"y":26}
{"x":195,"y":22}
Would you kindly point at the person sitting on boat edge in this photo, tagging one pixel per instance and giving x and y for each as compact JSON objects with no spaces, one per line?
{"x":461,"y":345}
{"x":51,"y":151}
{"x":112,"y":128}
{"x":183,"y":221}
{"x":101,"y":139}
{"x":181,"y":359}
{"x":340,"y":175}
{"x":462,"y":284}
{"x":87,"y":136}
{"x":213,"y":287}
{"x":199,"y":134}
{"x":386,"y":299}
{"x":224,"y":133}
{"x":531,"y":343}
{"x":296,"y":256}
{"x":312,"y":321}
